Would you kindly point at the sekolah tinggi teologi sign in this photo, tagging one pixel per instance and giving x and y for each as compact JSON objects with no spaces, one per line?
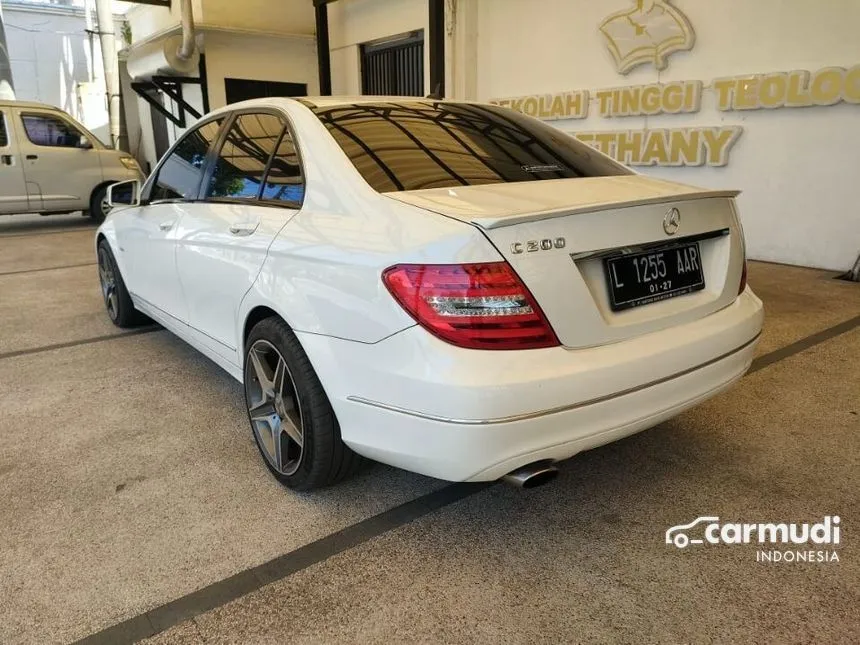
{"x":691,"y":146}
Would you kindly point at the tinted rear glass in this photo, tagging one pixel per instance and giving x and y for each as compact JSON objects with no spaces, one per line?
{"x":428,"y":144}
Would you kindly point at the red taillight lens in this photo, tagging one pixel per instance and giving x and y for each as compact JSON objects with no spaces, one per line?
{"x":743,"y":284}
{"x":479,"y":306}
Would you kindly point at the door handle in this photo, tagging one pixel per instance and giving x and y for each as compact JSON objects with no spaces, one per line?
{"x":7,"y":160}
{"x":32,"y":157}
{"x":243,"y":230}
{"x":166,"y":226}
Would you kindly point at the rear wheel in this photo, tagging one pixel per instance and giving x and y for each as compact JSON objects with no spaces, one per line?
{"x":99,"y":206}
{"x":117,"y":301}
{"x":291,"y":418}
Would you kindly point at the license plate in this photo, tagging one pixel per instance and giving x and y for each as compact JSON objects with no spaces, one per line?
{"x":642,"y":278}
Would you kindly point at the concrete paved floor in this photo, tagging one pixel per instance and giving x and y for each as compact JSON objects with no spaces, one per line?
{"x":111,"y":507}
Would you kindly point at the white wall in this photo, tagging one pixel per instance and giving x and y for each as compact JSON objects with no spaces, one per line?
{"x":798,"y":167}
{"x":149,"y":20}
{"x":280,"y":16}
{"x":284,"y":59}
{"x":51,"y":54}
{"x":353,"y":22}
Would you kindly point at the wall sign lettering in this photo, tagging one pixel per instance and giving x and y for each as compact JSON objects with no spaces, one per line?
{"x":688,"y":146}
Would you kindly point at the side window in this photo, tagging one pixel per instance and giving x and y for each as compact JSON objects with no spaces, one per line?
{"x":47,"y":130}
{"x":4,"y":136}
{"x":181,"y":173}
{"x":284,"y":182}
{"x":244,"y":157}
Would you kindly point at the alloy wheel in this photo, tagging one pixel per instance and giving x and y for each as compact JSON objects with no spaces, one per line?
{"x":274,"y":407}
{"x":107,"y":279}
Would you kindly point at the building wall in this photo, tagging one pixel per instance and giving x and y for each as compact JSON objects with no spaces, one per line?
{"x":149,"y":20}
{"x":284,"y":17}
{"x":265,"y":40}
{"x":263,"y":58}
{"x":54,"y":60}
{"x":797,"y":167}
{"x":353,"y":22}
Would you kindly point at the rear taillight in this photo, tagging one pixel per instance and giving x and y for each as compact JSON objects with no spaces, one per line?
{"x":479,"y":306}
{"x":743,"y":284}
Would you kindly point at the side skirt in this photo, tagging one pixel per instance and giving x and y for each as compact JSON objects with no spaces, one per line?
{"x":187,"y":334}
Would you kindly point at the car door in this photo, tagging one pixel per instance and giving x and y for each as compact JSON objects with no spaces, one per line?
{"x":147,"y":236}
{"x":251,"y":191}
{"x":13,"y":187}
{"x":60,"y":159}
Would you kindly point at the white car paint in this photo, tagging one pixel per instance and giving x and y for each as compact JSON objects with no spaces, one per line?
{"x":37,"y":178}
{"x":402,"y":395}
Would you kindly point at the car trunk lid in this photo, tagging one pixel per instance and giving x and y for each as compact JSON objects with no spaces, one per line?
{"x":558,"y":235}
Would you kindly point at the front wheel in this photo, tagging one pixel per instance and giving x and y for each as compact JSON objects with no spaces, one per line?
{"x":118,"y":303}
{"x":292,"y":420}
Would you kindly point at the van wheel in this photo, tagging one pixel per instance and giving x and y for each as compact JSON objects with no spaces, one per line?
{"x":292,"y":420}
{"x":99,"y":207}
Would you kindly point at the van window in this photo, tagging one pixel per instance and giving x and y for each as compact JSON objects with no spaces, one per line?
{"x":244,"y":157}
{"x":182,"y":171}
{"x":47,"y":130}
{"x":4,"y":136}
{"x":412,"y":145}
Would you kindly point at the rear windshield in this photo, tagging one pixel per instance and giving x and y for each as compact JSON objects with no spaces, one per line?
{"x":428,"y":144}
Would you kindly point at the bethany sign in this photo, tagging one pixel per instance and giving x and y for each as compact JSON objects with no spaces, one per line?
{"x":691,"y":146}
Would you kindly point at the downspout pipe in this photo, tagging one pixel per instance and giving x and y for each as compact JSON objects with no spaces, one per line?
{"x":186,"y":17}
{"x":107,"y":37}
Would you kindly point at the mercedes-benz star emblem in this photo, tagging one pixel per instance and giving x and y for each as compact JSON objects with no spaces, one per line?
{"x":672,"y":221}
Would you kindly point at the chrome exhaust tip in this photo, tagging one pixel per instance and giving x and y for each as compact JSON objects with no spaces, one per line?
{"x":532,"y":475}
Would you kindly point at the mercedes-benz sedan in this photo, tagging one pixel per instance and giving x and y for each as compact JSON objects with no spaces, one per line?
{"x":452,"y":288}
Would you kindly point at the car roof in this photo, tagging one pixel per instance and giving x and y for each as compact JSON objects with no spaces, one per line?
{"x":323,"y":102}
{"x":335,"y":101}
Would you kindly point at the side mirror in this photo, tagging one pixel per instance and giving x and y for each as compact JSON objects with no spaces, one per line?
{"x":85,"y":143}
{"x":125,"y":193}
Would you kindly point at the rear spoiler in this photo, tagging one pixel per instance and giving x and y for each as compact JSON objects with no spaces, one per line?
{"x":488,"y":223}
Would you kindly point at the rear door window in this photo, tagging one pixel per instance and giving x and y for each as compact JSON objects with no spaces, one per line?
{"x":180,"y":175}
{"x":244,"y":157}
{"x":429,"y":144}
{"x":4,"y":134}
{"x":284,"y":182}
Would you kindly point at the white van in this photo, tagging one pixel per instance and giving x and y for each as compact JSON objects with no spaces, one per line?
{"x":50,"y":163}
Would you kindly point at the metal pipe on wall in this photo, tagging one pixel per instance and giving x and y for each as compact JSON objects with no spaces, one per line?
{"x":186,"y":13}
{"x":107,"y":37}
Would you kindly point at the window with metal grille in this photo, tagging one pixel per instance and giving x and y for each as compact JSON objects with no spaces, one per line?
{"x":394,"y":67}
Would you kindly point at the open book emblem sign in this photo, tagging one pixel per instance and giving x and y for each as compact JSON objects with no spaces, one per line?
{"x":649,"y":32}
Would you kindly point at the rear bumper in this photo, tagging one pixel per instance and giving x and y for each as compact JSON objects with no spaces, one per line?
{"x":415,"y":402}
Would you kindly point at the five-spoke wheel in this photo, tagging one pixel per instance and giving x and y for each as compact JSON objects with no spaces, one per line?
{"x":274,"y":407}
{"x":292,"y":420}
{"x":118,"y":302}
{"x":107,"y":279}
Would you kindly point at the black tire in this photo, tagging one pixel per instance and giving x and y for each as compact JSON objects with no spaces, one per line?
{"x":324,"y":459}
{"x":97,"y":210}
{"x":118,"y":303}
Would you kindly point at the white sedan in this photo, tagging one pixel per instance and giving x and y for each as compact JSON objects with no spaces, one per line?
{"x":451,"y":288}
